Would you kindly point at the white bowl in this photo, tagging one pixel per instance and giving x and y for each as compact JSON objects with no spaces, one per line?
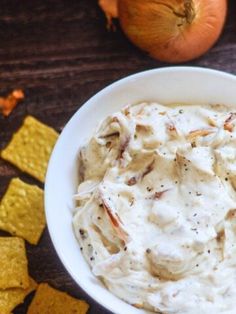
{"x":166,"y":85}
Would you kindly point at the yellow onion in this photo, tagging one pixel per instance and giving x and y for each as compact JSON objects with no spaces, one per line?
{"x":173,"y":30}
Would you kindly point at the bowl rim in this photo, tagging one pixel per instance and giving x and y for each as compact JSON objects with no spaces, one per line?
{"x":83,"y":107}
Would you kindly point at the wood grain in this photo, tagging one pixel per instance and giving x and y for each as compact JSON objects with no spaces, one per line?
{"x":60,"y":53}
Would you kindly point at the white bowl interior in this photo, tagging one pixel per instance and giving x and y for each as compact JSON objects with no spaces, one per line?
{"x":167,"y":85}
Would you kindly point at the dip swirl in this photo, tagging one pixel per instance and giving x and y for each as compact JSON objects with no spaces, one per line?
{"x":156,"y":207}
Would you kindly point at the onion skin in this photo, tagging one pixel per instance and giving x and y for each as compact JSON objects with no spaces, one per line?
{"x":169,"y":32}
{"x":110,"y":9}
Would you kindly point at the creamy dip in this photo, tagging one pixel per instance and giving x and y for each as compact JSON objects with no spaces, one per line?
{"x":156,"y":207}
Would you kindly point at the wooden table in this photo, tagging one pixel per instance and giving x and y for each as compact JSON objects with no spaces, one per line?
{"x":60,"y":53}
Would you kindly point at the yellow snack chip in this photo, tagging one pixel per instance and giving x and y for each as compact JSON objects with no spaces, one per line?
{"x":48,"y":300}
{"x":30,"y":148}
{"x":22,"y":211}
{"x":13,"y":263}
{"x":10,"y":298}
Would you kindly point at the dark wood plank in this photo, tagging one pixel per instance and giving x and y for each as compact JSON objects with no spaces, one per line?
{"x":60,"y":53}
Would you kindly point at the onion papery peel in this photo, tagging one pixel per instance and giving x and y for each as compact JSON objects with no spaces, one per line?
{"x":7,"y":104}
{"x":110,"y":9}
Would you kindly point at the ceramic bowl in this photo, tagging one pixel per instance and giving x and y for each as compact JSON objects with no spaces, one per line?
{"x":167,"y":85}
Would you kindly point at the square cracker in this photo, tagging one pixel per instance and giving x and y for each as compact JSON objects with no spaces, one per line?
{"x":30,"y":148}
{"x":13,"y":263}
{"x":12,"y":297}
{"x":22,"y":211}
{"x":48,"y":300}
